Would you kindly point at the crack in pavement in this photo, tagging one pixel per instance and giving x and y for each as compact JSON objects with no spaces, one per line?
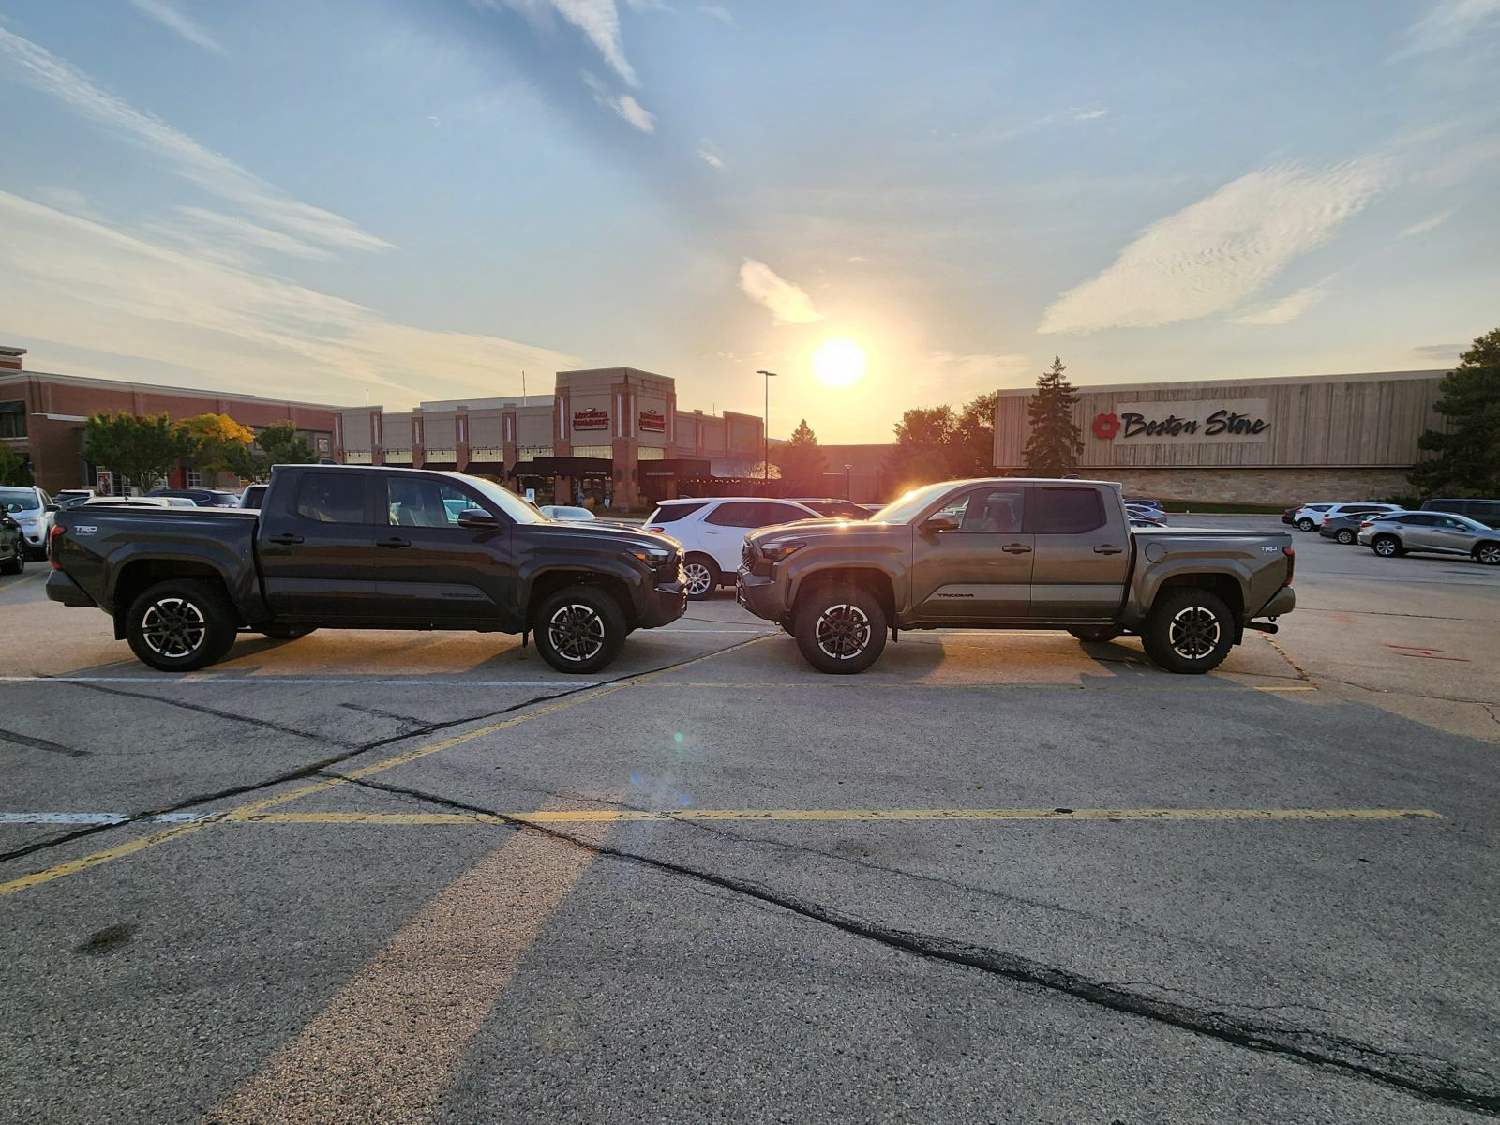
{"x":267,"y":724}
{"x":42,"y":744}
{"x":1414,"y":1073}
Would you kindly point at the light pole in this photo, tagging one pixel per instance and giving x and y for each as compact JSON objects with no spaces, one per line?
{"x":765,"y":433}
{"x":847,"y":470}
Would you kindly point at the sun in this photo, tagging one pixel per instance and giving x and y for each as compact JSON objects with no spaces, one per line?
{"x":839,"y":362}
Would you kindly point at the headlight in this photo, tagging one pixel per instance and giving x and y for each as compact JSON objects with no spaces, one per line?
{"x":779,"y":552}
{"x":652,"y":556}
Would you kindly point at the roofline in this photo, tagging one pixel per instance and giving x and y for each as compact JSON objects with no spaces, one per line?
{"x":1246,"y":381}
{"x":8,"y":376}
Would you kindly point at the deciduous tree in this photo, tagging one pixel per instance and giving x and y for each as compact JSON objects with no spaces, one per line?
{"x":140,"y":449}
{"x":222,"y":444}
{"x":924,"y":447}
{"x":12,"y":468}
{"x":282,"y":445}
{"x":1466,"y":458}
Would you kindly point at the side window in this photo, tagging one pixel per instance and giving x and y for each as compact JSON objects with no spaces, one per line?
{"x":1420,"y":521}
{"x":332,"y":497}
{"x":1066,"y":511}
{"x":734,"y":515}
{"x":989,"y":510}
{"x":670,"y":513}
{"x":424,"y":502}
{"x":779,"y":513}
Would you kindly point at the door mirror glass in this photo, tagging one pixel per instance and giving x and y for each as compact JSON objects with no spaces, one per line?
{"x":476,"y":517}
{"x":934,"y":524}
{"x":51,"y":507}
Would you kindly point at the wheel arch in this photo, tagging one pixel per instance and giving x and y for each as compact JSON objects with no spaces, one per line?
{"x":870,"y":578}
{"x":548,"y":582}
{"x":139,"y":575}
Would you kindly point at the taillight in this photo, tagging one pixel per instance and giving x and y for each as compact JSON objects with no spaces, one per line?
{"x":662,"y":530}
{"x":1291,"y":564}
{"x":52,"y":546}
{"x":1365,"y":523}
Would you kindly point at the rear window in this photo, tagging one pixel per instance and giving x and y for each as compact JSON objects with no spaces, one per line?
{"x":1066,"y":511}
{"x":332,"y":497}
{"x":668,"y":513}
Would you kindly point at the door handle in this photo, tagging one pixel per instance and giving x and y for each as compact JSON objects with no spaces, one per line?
{"x":1016,"y":549}
{"x":1107,"y":549}
{"x":393,"y":541}
{"x":285,"y":539}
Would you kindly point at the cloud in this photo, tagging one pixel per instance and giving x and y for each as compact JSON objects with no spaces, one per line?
{"x":1089,"y":114}
{"x":599,"y":20}
{"x":1427,"y":224}
{"x":38,"y":68}
{"x":956,"y":373}
{"x":789,"y":303}
{"x":232,"y":238}
{"x":1288,"y":308}
{"x":717,"y":11}
{"x":85,"y":284}
{"x":627,"y":108}
{"x":1449,"y":23}
{"x":707,"y":154}
{"x":165,"y":14}
{"x":1444,"y":353}
{"x":1218,"y":252}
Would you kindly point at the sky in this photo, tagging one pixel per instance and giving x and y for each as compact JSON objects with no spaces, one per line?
{"x":888,"y":204}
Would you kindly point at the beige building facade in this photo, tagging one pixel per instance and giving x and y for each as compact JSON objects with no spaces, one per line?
{"x":1259,"y":441}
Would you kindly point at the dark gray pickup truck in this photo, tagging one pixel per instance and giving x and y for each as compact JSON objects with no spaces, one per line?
{"x":364,"y":548}
{"x":1015,"y":554}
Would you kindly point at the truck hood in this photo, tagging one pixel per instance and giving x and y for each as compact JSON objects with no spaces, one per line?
{"x":829,"y":530}
{"x":602,"y":534}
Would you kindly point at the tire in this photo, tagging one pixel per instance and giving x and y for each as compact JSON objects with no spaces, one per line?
{"x":1095,"y":633}
{"x":701,"y":576}
{"x":1488,"y":553}
{"x":1345,"y":536}
{"x":1190,"y":631}
{"x":579,"y":629}
{"x":1305,"y":524}
{"x":286,"y":632}
{"x":180,"y":625}
{"x":1386,"y":546}
{"x":840,"y":628}
{"x":16,"y":565}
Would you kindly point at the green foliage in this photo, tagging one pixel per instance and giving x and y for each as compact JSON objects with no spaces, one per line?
{"x":281,"y":445}
{"x":12,"y":467}
{"x":139,"y":449}
{"x":1053,"y":446}
{"x":973,"y":440}
{"x":1466,"y":458}
{"x":924,"y":447}
{"x":801,"y":461}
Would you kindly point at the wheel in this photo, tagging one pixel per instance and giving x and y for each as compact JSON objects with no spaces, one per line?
{"x":1345,"y":536}
{"x":840,"y":629}
{"x":180,"y":625}
{"x":1305,"y":524}
{"x":1095,"y":632}
{"x":700,"y":575}
{"x":1386,"y":546}
{"x":1189,"y":631}
{"x":1488,"y":553}
{"x":15,"y":565}
{"x":579,"y":629}
{"x":286,"y":632}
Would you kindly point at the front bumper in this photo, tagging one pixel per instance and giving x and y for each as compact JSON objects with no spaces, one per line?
{"x":759,"y":595}
{"x":663,"y":604}
{"x":61,"y":588}
{"x":1283,"y":601}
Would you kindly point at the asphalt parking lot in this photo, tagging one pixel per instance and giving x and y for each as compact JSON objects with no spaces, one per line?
{"x":999,"y":877}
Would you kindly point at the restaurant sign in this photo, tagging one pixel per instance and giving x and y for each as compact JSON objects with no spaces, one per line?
{"x":653,"y":421}
{"x":1196,"y":420}
{"x":591,"y":419}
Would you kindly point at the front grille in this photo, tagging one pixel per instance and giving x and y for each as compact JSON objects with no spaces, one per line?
{"x":747,"y":554}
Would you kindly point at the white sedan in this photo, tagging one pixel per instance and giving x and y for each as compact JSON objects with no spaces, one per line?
{"x":567,"y":512}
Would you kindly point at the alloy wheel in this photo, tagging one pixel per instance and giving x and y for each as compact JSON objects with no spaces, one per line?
{"x":1489,"y":554}
{"x":173,"y":627}
{"x":696,"y":577}
{"x":576,"y":632}
{"x":1195,"y":632}
{"x":843,"y":631}
{"x":1346,"y":537}
{"x":1385,"y":547}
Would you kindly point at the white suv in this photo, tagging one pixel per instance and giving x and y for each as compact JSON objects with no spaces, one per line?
{"x":1310,"y":517}
{"x":712,"y":533}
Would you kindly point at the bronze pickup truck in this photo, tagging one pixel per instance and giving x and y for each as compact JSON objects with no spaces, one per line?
{"x":1012,"y":553}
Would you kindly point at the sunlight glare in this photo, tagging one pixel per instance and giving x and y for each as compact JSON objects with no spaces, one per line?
{"x":839,"y":362}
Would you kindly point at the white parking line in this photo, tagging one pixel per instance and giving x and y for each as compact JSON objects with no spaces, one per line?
{"x":200,"y":681}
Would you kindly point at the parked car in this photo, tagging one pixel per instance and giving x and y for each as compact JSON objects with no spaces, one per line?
{"x":1309,"y":516}
{"x":1143,"y":521}
{"x":1012,"y":553}
{"x":355,"y":547}
{"x":712,"y":533}
{"x":1344,"y":527}
{"x":1290,"y":515}
{"x":253,"y":496}
{"x":1486,"y":512}
{"x":69,"y":497}
{"x":567,"y":512}
{"x":1437,"y":532}
{"x":12,"y":546}
{"x":33,"y":510}
{"x":203,"y":497}
{"x":838,"y":509}
{"x":1154,"y":505}
{"x":129,"y":502}
{"x":1145,"y":512}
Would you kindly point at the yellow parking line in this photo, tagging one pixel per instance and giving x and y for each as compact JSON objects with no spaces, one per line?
{"x":94,"y":859}
{"x":615,"y":816}
{"x":1287,"y":687}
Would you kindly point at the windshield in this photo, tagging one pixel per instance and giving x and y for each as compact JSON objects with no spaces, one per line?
{"x":19,"y":500}
{"x":909,"y":506}
{"x":507,"y":501}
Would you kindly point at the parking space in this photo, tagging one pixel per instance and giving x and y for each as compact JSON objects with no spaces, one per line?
{"x":996,"y":877}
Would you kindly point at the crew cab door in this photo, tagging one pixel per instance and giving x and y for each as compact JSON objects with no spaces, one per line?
{"x":981,"y":569}
{"x":1082,"y":553}
{"x":434,"y":571}
{"x":317,"y":547}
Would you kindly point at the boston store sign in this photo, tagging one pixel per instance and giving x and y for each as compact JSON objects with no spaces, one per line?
{"x":1196,"y":420}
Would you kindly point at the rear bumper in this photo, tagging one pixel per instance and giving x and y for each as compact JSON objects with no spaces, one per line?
{"x":61,"y":588}
{"x":662,"y":605}
{"x":1283,"y":601}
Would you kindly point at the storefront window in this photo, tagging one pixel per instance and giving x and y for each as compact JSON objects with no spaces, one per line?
{"x":604,"y":451}
{"x":12,"y":419}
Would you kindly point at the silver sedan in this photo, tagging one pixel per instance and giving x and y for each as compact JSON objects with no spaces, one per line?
{"x":1438,"y":532}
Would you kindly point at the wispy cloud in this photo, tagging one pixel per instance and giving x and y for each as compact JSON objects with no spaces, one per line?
{"x":955,"y":375}
{"x":710,"y":157}
{"x":788,"y":302}
{"x":1442,"y":353}
{"x":1220,"y":251}
{"x":230,"y":237}
{"x":25,"y":61}
{"x":81,"y":282}
{"x":626,"y":107}
{"x":1089,"y":114}
{"x":1448,"y":23}
{"x":599,"y":20}
{"x":1286,"y":309}
{"x":166,"y":14}
{"x":717,"y":11}
{"x":1428,"y":224}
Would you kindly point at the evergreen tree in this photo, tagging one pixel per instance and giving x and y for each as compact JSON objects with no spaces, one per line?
{"x":1054,"y":444}
{"x":1466,"y":461}
{"x":801,"y":461}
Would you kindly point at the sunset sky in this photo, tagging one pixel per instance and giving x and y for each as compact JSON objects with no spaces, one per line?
{"x":389,"y":200}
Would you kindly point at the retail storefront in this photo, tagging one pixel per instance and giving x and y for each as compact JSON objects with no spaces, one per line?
{"x":1259,"y":441}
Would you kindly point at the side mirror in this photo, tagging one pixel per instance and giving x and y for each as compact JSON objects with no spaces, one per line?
{"x":52,"y":508}
{"x":476,"y":517}
{"x":934,"y":524}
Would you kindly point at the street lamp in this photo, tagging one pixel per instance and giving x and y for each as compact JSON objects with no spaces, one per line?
{"x":847,"y":470}
{"x":765,"y":433}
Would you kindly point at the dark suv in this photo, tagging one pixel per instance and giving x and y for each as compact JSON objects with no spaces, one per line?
{"x":203,"y":497}
{"x":1486,"y":512}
